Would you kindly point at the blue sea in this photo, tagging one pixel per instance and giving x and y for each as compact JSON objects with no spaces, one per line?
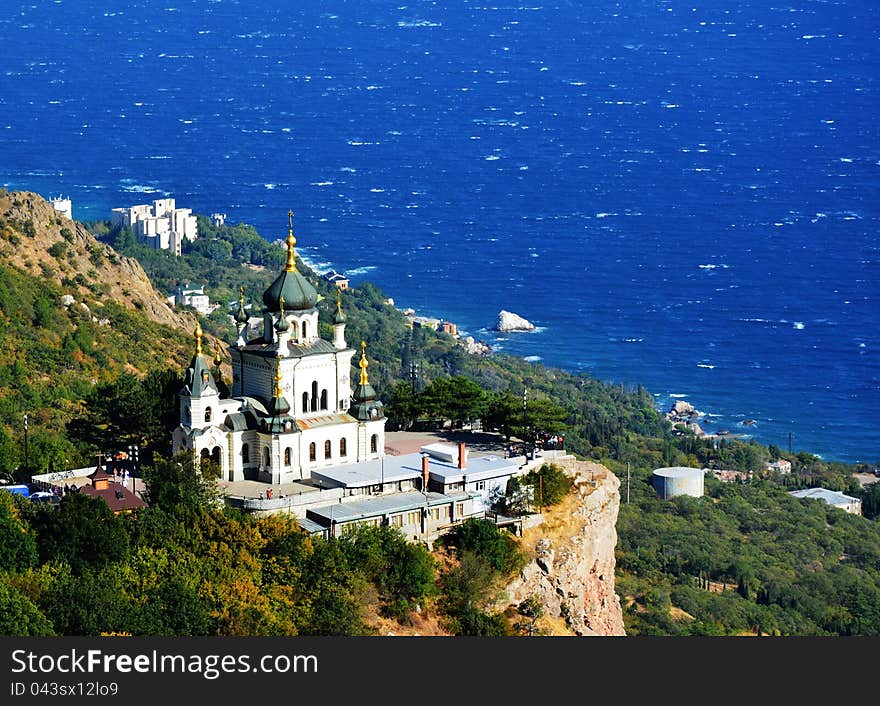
{"x":678,"y":194}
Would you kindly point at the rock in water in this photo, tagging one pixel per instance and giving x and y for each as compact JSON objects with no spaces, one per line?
{"x":683,"y":409}
{"x":508,"y":321}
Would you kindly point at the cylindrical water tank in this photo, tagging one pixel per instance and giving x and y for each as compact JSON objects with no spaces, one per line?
{"x":678,"y":480}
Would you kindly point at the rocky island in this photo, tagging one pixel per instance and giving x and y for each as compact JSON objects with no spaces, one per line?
{"x":508,"y":321}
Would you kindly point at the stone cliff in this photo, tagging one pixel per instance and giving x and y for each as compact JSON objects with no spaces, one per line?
{"x":572,"y":567}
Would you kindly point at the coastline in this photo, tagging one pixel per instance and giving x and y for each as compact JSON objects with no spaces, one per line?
{"x":693,"y":420}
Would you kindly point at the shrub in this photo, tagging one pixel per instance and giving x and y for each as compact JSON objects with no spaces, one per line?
{"x":483,"y":538}
{"x":58,"y":250}
{"x":543,"y":487}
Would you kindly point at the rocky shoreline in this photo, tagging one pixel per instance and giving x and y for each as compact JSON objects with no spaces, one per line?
{"x":506,"y":322}
{"x":686,"y":417}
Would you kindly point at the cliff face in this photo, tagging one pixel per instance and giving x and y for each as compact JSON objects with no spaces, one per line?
{"x":572,"y":570}
{"x":41,"y":242}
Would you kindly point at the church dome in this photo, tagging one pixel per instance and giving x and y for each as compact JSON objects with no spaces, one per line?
{"x":295,"y":290}
{"x":298,"y":294}
{"x":339,"y":316}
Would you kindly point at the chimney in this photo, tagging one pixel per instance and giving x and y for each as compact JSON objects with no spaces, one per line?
{"x":426,"y":473}
{"x":462,"y":455}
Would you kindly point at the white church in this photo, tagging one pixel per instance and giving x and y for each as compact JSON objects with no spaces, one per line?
{"x":293,"y":409}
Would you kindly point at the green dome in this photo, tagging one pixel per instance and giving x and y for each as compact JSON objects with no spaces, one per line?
{"x":297,"y":292}
{"x":281,"y":324}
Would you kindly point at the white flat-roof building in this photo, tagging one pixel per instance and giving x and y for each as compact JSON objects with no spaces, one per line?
{"x":161,"y":225}
{"x":831,"y":497}
{"x":389,"y":474}
{"x":781,"y":466}
{"x":337,"y":278}
{"x":194,"y":297}
{"x":439,"y":468}
{"x":418,"y":515}
{"x":63,"y":205}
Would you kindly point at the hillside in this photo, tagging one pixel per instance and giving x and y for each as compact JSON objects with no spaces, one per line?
{"x":92,"y":351}
{"x":746,"y":559}
{"x":74,"y":315}
{"x":40,"y":242}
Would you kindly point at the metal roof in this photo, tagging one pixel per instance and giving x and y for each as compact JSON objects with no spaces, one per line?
{"x":829,"y":496}
{"x":382,"y":505}
{"x":409,"y":466}
{"x":310,"y":526}
{"x":384,"y":470}
{"x":477,"y":468}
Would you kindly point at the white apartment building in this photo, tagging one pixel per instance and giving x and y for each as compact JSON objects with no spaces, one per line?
{"x":161,"y":225}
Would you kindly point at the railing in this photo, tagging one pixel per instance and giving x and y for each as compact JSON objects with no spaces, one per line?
{"x":288,"y":501}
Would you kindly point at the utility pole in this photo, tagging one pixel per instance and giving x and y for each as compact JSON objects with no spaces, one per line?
{"x":525,"y":422}
{"x":540,"y":493}
{"x":26,"y":460}
{"x":627,"y":484}
{"x":414,"y":376}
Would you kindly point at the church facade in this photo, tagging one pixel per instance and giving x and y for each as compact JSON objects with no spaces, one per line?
{"x":292,"y":407}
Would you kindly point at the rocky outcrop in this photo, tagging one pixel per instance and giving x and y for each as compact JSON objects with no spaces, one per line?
{"x":683,"y":410}
{"x":475,"y":347}
{"x":508,"y":321}
{"x":572,"y":572}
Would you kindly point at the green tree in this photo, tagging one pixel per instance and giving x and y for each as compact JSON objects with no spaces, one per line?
{"x":19,"y":616}
{"x":81,"y":531}
{"x":9,"y":452}
{"x":403,"y":572}
{"x":331,"y":594}
{"x":502,"y":409}
{"x":457,"y":399}
{"x":174,"y":607}
{"x":870,"y":495}
{"x":88,"y":604}
{"x":469,"y":584}
{"x":550,"y":484}
{"x":403,"y":408}
{"x":127,"y":411}
{"x":531,"y":610}
{"x":18,"y":548}
{"x":483,"y":537}
{"x":177,"y":486}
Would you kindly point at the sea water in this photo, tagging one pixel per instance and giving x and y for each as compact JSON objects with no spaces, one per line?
{"x":679,"y":194}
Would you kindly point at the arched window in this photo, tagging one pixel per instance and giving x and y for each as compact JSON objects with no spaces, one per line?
{"x":266,"y":457}
{"x":323,"y":399}
{"x":207,"y":414}
{"x":287,"y":456}
{"x":343,"y":448}
{"x":305,"y":330}
{"x":305,"y":401}
{"x":374,"y":443}
{"x":245,"y":454}
{"x":327,"y":450}
{"x":312,"y":453}
{"x":314,"y":396}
